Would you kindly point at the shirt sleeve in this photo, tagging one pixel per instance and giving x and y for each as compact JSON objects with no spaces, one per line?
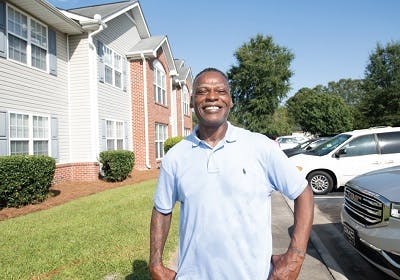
{"x":283,"y":174}
{"x":166,"y":193}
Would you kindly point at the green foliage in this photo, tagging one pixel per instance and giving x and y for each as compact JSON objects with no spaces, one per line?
{"x":319,"y":113}
{"x":25,"y":179}
{"x":170,"y":142}
{"x":279,"y":123}
{"x":116,"y":165}
{"x":381,"y":102}
{"x":259,"y":81}
{"x":93,"y":237}
{"x":351,"y":91}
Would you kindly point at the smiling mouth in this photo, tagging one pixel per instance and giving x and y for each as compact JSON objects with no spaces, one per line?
{"x":211,"y":108}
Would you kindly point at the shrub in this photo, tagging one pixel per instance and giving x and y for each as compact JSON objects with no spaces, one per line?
{"x":170,"y":142}
{"x":116,"y":165}
{"x":25,"y":179}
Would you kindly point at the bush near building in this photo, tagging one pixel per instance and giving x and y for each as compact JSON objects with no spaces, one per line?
{"x":116,"y":165}
{"x":25,"y":179}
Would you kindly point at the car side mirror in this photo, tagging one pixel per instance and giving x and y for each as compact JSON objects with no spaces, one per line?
{"x":340,"y":152}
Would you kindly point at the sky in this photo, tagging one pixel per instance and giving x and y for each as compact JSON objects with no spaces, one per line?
{"x":330,"y":40}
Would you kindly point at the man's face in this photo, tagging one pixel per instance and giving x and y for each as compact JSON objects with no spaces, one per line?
{"x":211,"y":99}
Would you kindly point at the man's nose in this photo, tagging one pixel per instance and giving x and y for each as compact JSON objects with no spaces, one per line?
{"x":212,"y":94}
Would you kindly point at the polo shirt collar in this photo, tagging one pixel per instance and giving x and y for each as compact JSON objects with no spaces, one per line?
{"x":230,"y":135}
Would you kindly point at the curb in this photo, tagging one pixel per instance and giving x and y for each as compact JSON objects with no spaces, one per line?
{"x":334,"y":269}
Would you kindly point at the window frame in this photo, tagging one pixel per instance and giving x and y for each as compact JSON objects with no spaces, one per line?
{"x":115,"y":137}
{"x":159,"y":143}
{"x":159,"y":84}
{"x":186,"y":101}
{"x":107,"y":51}
{"x":29,"y":41}
{"x":30,"y":138}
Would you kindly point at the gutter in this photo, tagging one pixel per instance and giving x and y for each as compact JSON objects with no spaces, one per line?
{"x":93,"y":27}
{"x":145,"y":108}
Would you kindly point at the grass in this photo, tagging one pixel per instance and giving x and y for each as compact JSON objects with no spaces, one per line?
{"x":102,"y":236}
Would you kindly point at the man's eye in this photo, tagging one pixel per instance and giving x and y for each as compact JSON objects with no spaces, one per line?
{"x":222,"y":91}
{"x":201,"y":92}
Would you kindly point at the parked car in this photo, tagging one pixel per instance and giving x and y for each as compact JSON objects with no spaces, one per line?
{"x":291,"y":141}
{"x":371,"y":218}
{"x":341,"y":158}
{"x":305,"y":146}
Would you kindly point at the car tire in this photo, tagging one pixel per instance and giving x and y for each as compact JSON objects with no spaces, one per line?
{"x":321,"y":182}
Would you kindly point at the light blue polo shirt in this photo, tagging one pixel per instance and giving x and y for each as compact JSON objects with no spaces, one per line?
{"x":225,"y":199}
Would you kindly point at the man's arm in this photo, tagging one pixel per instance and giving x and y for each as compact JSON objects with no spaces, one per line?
{"x":159,"y":228}
{"x":288,"y":265}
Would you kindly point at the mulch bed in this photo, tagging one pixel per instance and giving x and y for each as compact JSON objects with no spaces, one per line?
{"x":62,"y":193}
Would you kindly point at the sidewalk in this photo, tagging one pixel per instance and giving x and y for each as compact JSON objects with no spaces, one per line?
{"x":282,"y":222}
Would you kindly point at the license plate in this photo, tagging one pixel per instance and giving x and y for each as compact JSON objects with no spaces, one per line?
{"x":349,"y":234}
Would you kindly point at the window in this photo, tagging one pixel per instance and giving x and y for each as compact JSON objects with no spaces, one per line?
{"x":186,"y":101}
{"x":160,"y":136}
{"x":27,"y":40}
{"x":360,"y":146}
{"x":389,"y":142}
{"x":115,"y":135}
{"x":29,"y":134}
{"x":112,"y":68}
{"x":159,"y":82}
{"x":187,"y":131}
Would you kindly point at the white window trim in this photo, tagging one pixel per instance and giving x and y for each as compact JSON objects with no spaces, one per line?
{"x":112,"y":66}
{"x":28,"y":40}
{"x":158,"y":67}
{"x":30,"y":131}
{"x":160,"y":141}
{"x":186,"y":101}
{"x":116,"y":138}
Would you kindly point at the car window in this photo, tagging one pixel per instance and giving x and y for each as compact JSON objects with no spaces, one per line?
{"x":389,"y":142}
{"x":328,"y":146}
{"x":360,"y":146}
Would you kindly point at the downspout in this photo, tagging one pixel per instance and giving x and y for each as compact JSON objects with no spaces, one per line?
{"x":97,"y":22}
{"x":146,"y":116}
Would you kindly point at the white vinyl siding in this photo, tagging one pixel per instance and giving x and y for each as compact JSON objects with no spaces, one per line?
{"x":24,"y":89}
{"x":160,"y":137}
{"x":27,"y":40}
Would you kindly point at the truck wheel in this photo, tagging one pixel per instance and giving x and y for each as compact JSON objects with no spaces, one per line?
{"x":320,"y":182}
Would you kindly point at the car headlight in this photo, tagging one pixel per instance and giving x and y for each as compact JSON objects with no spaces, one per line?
{"x":395,"y":210}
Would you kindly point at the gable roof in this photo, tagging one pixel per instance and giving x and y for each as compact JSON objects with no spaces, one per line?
{"x":148,"y":48}
{"x":184,"y":72}
{"x":49,"y":14}
{"x":110,"y":11}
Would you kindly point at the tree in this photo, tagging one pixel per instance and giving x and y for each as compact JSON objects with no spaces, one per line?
{"x":381,"y":102}
{"x":351,"y":91}
{"x":259,"y":81}
{"x":319,"y":113}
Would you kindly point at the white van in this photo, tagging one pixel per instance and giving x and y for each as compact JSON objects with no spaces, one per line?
{"x":347,"y":155}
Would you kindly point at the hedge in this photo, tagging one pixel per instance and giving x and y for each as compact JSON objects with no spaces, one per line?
{"x":170,"y":142}
{"x":25,"y":179}
{"x":116,"y":165}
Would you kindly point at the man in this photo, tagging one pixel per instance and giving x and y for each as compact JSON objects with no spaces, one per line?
{"x":223,"y":177}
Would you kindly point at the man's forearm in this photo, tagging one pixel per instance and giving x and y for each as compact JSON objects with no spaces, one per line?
{"x":159,"y":228}
{"x":303,"y":219}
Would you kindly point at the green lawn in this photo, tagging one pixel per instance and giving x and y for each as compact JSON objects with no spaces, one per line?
{"x":94,"y":237}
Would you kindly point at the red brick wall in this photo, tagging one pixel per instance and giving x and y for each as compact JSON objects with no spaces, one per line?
{"x":138,"y":131}
{"x":78,"y":172}
{"x":157,"y":113}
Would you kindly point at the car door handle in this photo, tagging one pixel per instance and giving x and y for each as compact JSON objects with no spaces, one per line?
{"x":375,"y":162}
{"x":389,"y":161}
